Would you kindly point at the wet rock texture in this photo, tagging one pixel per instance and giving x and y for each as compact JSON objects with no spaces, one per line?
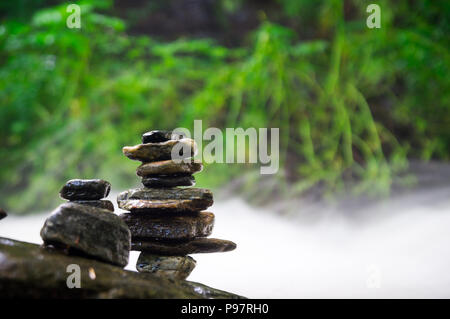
{"x":174,"y":228}
{"x":156,"y":206}
{"x":159,"y":136}
{"x":169,"y":167}
{"x":172,"y":199}
{"x":195,"y":246}
{"x":168,"y":181}
{"x":105,"y":204}
{"x":151,"y":152}
{"x":85,"y":189}
{"x":174,"y":193}
{"x":90,"y":230}
{"x":29,"y":271}
{"x":173,"y":267}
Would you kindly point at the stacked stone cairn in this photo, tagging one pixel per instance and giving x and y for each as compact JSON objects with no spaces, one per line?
{"x":86,"y":224}
{"x":168,"y":222}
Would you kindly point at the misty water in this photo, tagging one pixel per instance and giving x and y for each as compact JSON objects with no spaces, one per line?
{"x":392,"y":248}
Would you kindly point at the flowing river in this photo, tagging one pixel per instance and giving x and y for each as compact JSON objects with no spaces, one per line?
{"x":393,"y":248}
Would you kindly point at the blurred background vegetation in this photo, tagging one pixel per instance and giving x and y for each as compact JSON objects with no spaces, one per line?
{"x":353,"y":104}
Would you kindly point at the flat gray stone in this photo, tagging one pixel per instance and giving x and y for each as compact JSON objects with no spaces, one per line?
{"x":173,"y":267}
{"x":85,"y":189}
{"x":166,"y":181}
{"x":194,"y":246}
{"x":173,"y":227}
{"x":151,"y":152}
{"x":169,"y":167}
{"x":90,"y":230}
{"x":165,"y":199}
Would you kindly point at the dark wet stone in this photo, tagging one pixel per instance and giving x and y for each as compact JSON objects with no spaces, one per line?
{"x":208,"y":292}
{"x":105,"y":204}
{"x":159,"y":206}
{"x":173,"y":267}
{"x":89,"y":189}
{"x":28,"y":271}
{"x":195,"y":246}
{"x":3,"y":214}
{"x":168,"y":181}
{"x":152,"y":152}
{"x":172,"y":199}
{"x":172,"y":227}
{"x":90,"y":230}
{"x":158,"y":136}
{"x":173,"y":193}
{"x":169,"y":167}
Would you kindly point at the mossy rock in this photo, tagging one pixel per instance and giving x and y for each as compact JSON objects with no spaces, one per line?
{"x":30,"y":271}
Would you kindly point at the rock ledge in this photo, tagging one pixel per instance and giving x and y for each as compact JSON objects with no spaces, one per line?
{"x":30,"y":271}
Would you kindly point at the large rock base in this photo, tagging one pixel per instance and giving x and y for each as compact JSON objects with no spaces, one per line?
{"x":30,"y":271}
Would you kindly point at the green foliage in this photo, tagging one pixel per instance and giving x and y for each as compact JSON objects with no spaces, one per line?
{"x":70,"y":99}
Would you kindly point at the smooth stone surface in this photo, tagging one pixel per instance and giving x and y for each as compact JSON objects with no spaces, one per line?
{"x":89,"y":189}
{"x":171,"y":199}
{"x":160,"y":206}
{"x":158,"y":136}
{"x":173,"y":267}
{"x":169,"y":167}
{"x":90,"y":230}
{"x":105,"y":204}
{"x":172,"y":227}
{"x":195,"y":246}
{"x":168,"y":181}
{"x":152,"y":152}
{"x":29,"y":271}
{"x":3,"y":214}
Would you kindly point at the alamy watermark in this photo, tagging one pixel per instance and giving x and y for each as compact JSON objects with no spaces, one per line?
{"x":74,"y":279}
{"x":374,"y":19}
{"x":373,"y":280}
{"x":234,"y":145}
{"x":73,"y":21}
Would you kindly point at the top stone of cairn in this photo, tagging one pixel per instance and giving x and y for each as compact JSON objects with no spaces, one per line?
{"x":159,"y":136}
{"x":85,"y":189}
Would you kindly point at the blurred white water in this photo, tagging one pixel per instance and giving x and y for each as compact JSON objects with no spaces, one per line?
{"x":399,"y":248}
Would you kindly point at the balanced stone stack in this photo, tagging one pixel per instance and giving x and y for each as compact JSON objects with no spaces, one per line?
{"x":168,"y":222}
{"x":86,"y":225}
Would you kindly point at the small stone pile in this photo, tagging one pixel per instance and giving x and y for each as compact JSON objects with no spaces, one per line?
{"x":86,"y":224}
{"x":88,"y":192}
{"x":167,"y":222}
